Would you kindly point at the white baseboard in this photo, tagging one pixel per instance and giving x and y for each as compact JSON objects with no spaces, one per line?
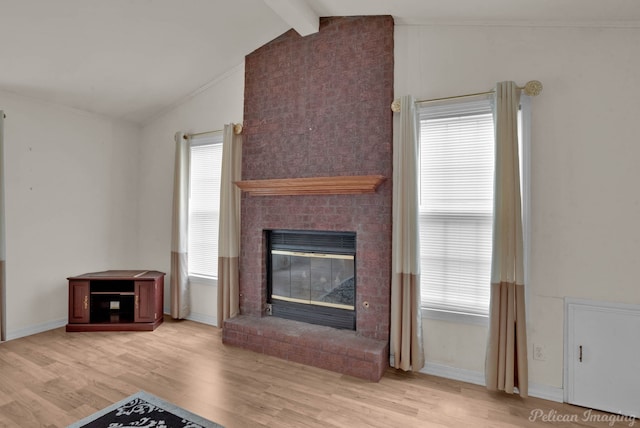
{"x":39,"y":328}
{"x":545,"y":392}
{"x":198,"y":317}
{"x":463,"y":375}
{"x":203,"y":318}
{"x":35,"y":329}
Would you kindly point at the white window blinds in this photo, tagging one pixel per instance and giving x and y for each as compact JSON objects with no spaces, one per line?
{"x":204,"y":206}
{"x":456,"y":205}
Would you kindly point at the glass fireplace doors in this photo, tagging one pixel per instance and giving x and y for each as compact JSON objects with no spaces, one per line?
{"x":312,"y":277}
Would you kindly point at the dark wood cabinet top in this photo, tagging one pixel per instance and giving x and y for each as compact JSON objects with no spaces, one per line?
{"x":120,"y":274}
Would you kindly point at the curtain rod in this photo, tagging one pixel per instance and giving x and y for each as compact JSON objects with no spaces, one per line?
{"x":532,"y":88}
{"x":237,"y":129}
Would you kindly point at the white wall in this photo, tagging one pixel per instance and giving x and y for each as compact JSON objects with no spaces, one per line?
{"x":584,"y":165}
{"x":71,"y":189}
{"x":87,"y":193}
{"x":222,"y":102}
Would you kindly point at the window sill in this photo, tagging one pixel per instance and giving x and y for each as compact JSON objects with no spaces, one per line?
{"x":203,"y":280}
{"x":455,"y":317}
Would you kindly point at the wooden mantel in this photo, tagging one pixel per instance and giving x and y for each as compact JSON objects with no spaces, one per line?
{"x":339,"y":185}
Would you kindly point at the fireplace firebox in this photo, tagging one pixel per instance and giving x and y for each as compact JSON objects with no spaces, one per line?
{"x":311,"y":276}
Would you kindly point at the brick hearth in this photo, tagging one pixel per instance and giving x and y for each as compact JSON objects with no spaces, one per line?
{"x":341,"y":351}
{"x":319,"y":106}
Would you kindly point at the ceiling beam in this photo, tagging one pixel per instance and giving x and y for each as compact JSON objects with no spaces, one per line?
{"x":298,"y":14}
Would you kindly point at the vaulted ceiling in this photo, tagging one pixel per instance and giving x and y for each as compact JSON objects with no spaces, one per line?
{"x":133,"y":59}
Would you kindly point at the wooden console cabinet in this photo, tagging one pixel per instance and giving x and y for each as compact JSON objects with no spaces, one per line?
{"x":116,"y":300}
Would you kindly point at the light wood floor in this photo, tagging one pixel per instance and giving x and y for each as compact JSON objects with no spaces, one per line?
{"x":55,"y":378}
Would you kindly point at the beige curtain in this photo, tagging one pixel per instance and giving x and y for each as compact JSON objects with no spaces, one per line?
{"x":179,"y":230}
{"x":406,"y":325}
{"x":229,"y":228}
{"x":506,"y":358}
{"x":2,"y":233}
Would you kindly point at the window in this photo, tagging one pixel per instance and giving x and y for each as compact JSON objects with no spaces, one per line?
{"x":456,"y":207}
{"x":204,"y":206}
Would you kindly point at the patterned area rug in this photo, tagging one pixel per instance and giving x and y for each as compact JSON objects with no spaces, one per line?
{"x":144,"y":410}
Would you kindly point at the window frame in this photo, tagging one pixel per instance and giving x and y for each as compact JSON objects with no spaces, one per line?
{"x":199,"y":141}
{"x":524,"y":136}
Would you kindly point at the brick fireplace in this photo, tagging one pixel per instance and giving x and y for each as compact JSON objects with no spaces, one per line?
{"x":318,"y":106}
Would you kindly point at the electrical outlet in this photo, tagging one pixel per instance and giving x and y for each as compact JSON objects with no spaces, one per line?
{"x":538,"y":352}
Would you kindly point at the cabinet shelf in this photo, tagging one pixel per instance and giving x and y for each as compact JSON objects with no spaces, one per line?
{"x":114,"y":293}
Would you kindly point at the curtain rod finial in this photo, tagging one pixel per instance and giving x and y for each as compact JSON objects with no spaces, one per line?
{"x":395,"y":105}
{"x":533,"y":88}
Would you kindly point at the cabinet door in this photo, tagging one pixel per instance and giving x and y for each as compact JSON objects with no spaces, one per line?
{"x":602,"y":357}
{"x":144,"y":301}
{"x":78,"y":302}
